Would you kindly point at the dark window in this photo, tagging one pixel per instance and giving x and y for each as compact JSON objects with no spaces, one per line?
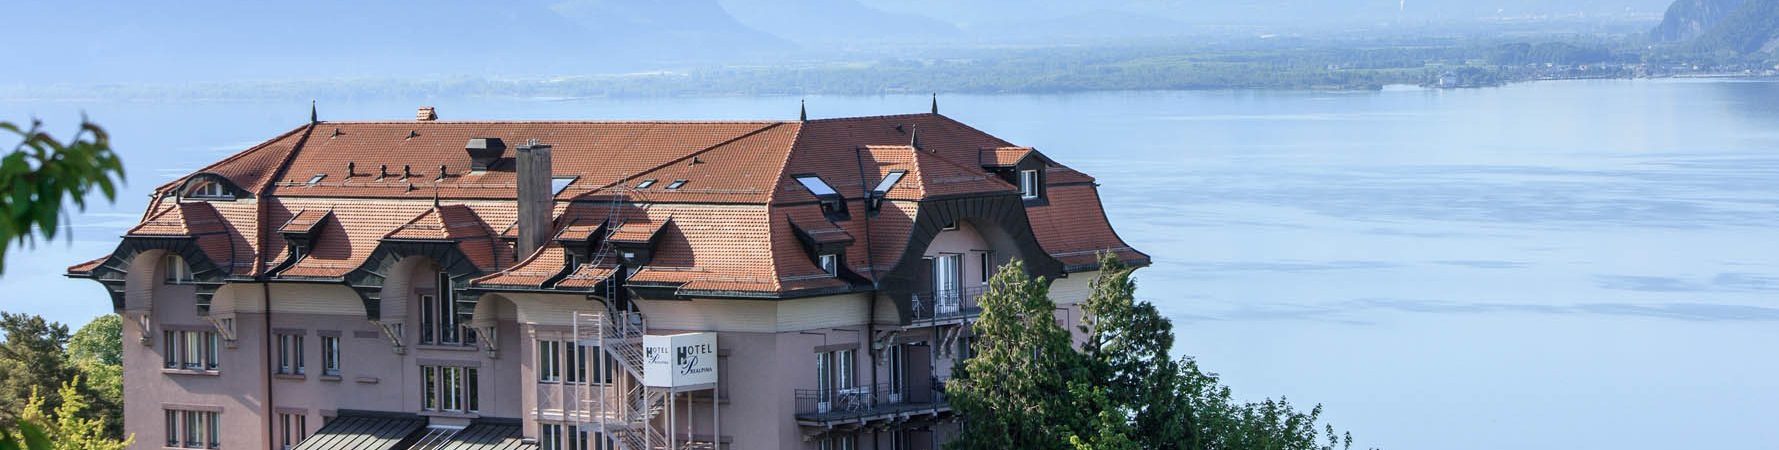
{"x":330,"y":355}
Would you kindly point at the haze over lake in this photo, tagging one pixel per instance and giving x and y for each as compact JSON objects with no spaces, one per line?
{"x":1588,"y":264}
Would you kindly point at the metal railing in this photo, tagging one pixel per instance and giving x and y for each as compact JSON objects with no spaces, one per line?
{"x":853,"y":402}
{"x":948,"y":304}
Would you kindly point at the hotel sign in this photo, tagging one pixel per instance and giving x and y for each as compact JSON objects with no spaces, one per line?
{"x":679,"y":360}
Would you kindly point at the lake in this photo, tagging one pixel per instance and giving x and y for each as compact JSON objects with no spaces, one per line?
{"x":1581,"y":264}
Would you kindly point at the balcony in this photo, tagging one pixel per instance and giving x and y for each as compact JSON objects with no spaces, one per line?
{"x":947,"y":305}
{"x":861,"y":405}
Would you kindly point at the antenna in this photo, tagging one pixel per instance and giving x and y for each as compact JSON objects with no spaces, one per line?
{"x":935,"y":103}
{"x":802,"y":111}
{"x":313,"y":118}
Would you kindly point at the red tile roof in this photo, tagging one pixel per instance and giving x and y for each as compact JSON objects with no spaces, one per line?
{"x":716,"y":233}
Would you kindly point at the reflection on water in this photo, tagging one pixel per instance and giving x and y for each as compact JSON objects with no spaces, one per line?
{"x":1551,"y":265}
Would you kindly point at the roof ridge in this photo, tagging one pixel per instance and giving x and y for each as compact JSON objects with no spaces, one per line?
{"x":772,"y":195}
{"x":876,"y":117}
{"x":549,"y":121}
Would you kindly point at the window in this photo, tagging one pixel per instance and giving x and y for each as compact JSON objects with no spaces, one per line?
{"x":177,"y":270}
{"x":549,"y":437}
{"x":676,"y":184}
{"x":190,"y":350}
{"x":946,"y":283}
{"x":588,"y":439}
{"x":316,"y":179}
{"x":330,"y":356}
{"x":840,"y":442}
{"x":449,"y":388}
{"x":290,"y":354}
{"x":293,"y":429}
{"x":438,"y":315}
{"x":1028,"y":184}
{"x":988,"y":266}
{"x":549,"y":361}
{"x":573,"y":363}
{"x":889,"y":181}
{"x":833,"y":372}
{"x":830,"y":264}
{"x":192,"y":429}
{"x":645,"y":184}
{"x":209,"y":189}
{"x":817,"y":186}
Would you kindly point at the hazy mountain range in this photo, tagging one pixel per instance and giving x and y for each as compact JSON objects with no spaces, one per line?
{"x":1738,"y":26}
{"x":207,"y":40}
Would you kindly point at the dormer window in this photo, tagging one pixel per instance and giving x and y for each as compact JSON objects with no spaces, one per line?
{"x":889,"y":181}
{"x":817,"y":186}
{"x":830,"y":264}
{"x":209,"y":190}
{"x":177,"y":270}
{"x":1028,"y":184}
{"x":645,"y":184}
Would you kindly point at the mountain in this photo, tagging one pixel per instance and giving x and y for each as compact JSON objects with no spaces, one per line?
{"x":1751,"y":28}
{"x":839,"y":23}
{"x":1687,"y":19}
{"x":85,"y":41}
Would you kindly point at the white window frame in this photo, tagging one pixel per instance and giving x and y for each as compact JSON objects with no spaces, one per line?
{"x":190,"y":350}
{"x":178,"y":271}
{"x":330,"y":356}
{"x":209,"y":190}
{"x":294,"y":429}
{"x":549,"y":361}
{"x":290,"y":354}
{"x":449,"y":388}
{"x":1028,"y":184}
{"x":830,"y":264}
{"x":192,"y":429}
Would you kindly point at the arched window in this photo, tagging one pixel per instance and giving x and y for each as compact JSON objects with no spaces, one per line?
{"x":209,"y":189}
{"x":177,"y":270}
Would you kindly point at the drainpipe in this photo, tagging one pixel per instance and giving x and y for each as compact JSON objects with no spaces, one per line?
{"x":271,"y":412}
{"x":871,"y":316}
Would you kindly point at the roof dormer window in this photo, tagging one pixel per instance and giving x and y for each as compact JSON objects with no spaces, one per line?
{"x":177,"y":270}
{"x":209,"y":190}
{"x":1028,"y":184}
{"x":830,"y":264}
{"x":889,"y":181}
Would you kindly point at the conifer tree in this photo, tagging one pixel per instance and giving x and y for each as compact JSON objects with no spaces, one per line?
{"x":1018,"y":391}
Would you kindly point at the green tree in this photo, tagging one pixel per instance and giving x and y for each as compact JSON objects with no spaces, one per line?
{"x":24,"y":437}
{"x":97,"y":351}
{"x":32,"y":360}
{"x":1026,"y":388}
{"x":70,"y":428}
{"x":41,"y":173}
{"x":1019,"y":390}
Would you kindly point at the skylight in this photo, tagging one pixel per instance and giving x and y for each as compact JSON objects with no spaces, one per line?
{"x":645,"y":183}
{"x":317,"y":179}
{"x":557,"y":184}
{"x":817,"y":186}
{"x":889,"y":181}
{"x":676,"y":184}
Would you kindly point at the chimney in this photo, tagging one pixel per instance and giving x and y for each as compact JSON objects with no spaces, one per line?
{"x":483,"y":152}
{"x":426,"y":114}
{"x":537,"y":203}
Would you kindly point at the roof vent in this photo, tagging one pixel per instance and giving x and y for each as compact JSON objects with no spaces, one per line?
{"x":484,"y":152}
{"x":426,"y":114}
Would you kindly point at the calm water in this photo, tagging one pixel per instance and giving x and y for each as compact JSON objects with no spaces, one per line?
{"x":1552,"y":265}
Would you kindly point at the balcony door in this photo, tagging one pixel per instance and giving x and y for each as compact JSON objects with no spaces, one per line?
{"x":948,"y":278}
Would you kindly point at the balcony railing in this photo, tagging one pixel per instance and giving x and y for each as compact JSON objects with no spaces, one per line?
{"x":868,"y":401}
{"x":948,"y":304}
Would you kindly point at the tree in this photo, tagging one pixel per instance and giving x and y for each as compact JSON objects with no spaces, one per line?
{"x":41,"y":173}
{"x":70,"y":428}
{"x":32,"y":360}
{"x":1019,"y":390}
{"x":25,"y":437}
{"x":1026,"y":388}
{"x":97,"y":351}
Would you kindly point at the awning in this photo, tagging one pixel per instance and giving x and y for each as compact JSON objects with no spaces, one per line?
{"x":488,"y":436}
{"x":364,"y":431}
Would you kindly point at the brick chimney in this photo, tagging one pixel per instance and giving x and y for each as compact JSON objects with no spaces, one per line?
{"x":426,"y":114}
{"x":537,"y":203}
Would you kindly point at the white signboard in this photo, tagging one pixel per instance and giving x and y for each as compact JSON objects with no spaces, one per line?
{"x":679,"y":360}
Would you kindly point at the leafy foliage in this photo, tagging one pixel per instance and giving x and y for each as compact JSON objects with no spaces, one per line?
{"x":38,"y":366}
{"x":42,"y":172}
{"x":70,"y":428}
{"x":1120,"y":391}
